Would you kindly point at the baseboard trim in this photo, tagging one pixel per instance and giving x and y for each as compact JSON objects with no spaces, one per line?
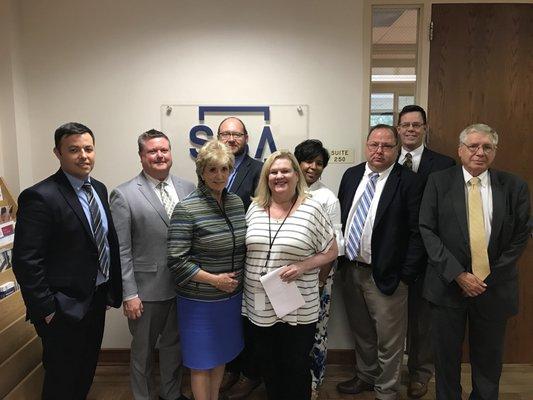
{"x":122,"y":357}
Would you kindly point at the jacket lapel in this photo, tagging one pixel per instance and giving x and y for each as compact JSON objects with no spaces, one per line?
{"x":67,"y":191}
{"x":457,"y":194}
{"x":388,"y":192}
{"x":241,"y":174}
{"x":498,"y":209}
{"x":146,"y":190}
{"x":425,"y":162}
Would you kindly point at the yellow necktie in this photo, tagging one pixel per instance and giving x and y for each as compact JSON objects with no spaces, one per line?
{"x":476,"y":227}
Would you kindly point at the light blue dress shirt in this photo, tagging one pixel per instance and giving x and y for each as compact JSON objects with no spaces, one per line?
{"x":84,"y":201}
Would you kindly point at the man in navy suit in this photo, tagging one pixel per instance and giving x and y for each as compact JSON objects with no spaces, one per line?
{"x":414,"y":155}
{"x":383,"y":254}
{"x":474,"y":223}
{"x":66,"y":260}
{"x":242,"y":181}
{"x":245,"y":175}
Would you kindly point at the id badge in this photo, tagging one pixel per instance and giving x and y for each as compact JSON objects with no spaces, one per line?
{"x":259,"y":301}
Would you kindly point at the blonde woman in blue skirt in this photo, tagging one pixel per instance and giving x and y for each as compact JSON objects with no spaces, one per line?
{"x":206,"y":253}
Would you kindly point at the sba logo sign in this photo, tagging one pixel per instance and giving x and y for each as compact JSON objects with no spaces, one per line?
{"x":266,"y":137}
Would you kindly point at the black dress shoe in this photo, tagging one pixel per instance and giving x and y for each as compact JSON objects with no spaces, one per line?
{"x":230,"y":378}
{"x":354,"y":386}
{"x":417,"y":390}
{"x":242,"y":389}
{"x":182,"y":397}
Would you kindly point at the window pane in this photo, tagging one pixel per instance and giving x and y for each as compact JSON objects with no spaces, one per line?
{"x":405,"y":101}
{"x":381,"y":102}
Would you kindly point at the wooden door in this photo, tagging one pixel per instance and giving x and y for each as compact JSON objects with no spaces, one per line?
{"x":481,"y":70}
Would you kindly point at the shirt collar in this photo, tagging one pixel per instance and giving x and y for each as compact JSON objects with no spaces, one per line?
{"x":76,"y":183}
{"x":416,"y":152}
{"x":154,"y":182}
{"x":483,"y":177}
{"x":382,"y":174}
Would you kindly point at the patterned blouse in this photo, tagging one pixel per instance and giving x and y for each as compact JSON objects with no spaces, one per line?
{"x":306,"y":232}
{"x":204,"y":235}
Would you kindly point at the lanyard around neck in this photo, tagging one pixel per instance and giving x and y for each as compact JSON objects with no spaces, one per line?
{"x":272,"y":239}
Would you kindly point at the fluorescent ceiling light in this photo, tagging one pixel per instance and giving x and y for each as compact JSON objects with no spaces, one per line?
{"x":393,"y":78}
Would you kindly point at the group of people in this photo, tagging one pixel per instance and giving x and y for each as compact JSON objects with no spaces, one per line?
{"x":421,"y":248}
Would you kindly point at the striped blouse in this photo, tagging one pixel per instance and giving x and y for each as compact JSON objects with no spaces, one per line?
{"x":202,"y":235}
{"x":305,"y":233}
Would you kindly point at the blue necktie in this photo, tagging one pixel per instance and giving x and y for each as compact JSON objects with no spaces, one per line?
{"x":353,"y":243}
{"x":98,"y":230}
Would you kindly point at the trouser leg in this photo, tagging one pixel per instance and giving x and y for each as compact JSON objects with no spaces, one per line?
{"x":448,"y":329}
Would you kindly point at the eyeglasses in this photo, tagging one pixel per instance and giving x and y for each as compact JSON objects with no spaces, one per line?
{"x":375,"y":146}
{"x":473,"y":148}
{"x":415,"y":125}
{"x":227,"y":134}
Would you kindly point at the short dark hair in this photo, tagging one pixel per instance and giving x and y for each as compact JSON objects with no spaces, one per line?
{"x":238,"y":119}
{"x":392,"y":129}
{"x":412,"y":108}
{"x":151,"y":134}
{"x":68,"y":129}
{"x":309,"y":149}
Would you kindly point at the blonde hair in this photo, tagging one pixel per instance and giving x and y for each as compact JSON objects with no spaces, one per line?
{"x":263,"y":196}
{"x":213,"y":152}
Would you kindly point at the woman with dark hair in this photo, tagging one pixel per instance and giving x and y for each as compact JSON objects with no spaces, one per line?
{"x":313,"y":158}
{"x":206,"y":252}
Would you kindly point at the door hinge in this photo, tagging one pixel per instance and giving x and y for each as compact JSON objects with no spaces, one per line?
{"x":431,"y":31}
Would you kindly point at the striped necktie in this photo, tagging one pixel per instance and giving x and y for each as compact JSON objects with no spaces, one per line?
{"x":167,"y":201}
{"x":476,"y":229}
{"x":356,"y":228}
{"x":98,"y":230}
{"x":408,"y":162}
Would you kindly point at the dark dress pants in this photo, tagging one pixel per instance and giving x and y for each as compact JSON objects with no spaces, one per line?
{"x":244,"y":363}
{"x":70,"y":351}
{"x":485,"y":337}
{"x":419,"y":347}
{"x":282,"y":353}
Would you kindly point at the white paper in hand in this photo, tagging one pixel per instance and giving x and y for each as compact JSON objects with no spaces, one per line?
{"x":284,"y":297}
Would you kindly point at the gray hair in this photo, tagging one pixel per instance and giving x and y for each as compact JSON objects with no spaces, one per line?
{"x":479,"y":128}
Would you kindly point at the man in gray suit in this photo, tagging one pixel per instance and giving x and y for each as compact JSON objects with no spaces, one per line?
{"x":473,"y":220}
{"x":141,"y":209}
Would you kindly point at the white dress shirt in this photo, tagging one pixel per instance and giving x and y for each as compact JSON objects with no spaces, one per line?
{"x":486,"y":199}
{"x":416,"y":155}
{"x":365,"y":250}
{"x":170,"y":188}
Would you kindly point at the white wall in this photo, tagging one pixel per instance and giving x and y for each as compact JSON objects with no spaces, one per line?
{"x":111,"y":65}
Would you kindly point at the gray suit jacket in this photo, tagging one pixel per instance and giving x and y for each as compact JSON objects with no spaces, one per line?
{"x":142,"y":224}
{"x":444,"y":229}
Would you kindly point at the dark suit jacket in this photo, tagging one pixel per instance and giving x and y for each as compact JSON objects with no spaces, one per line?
{"x":397,"y":250}
{"x":55,"y":254}
{"x":246,"y":180}
{"x":444,"y":229}
{"x":432,"y":161}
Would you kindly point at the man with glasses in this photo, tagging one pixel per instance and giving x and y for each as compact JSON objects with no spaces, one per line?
{"x":242,"y":181}
{"x":414,"y":155}
{"x":383,"y":254}
{"x":474,"y":223}
{"x":245,"y":176}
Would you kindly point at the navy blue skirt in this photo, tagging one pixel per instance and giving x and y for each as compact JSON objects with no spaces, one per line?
{"x":210,"y":331}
